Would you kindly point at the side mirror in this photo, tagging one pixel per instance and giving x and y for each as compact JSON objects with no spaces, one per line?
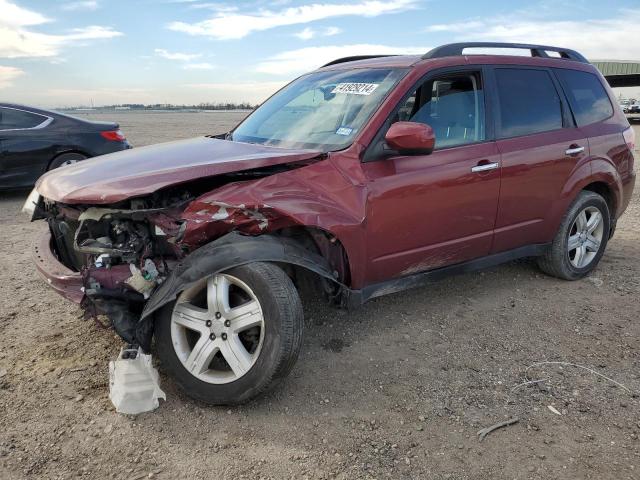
{"x":411,"y":138}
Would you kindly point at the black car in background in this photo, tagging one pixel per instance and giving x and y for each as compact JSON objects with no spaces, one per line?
{"x":33,"y":141}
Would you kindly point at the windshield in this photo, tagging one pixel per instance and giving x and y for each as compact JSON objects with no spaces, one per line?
{"x":323,"y":110}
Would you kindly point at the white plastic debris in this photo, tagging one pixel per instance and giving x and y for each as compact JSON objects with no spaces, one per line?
{"x":29,"y":206}
{"x":145,"y":280}
{"x":134,"y":385}
{"x":553,"y":409}
{"x":102,"y":260}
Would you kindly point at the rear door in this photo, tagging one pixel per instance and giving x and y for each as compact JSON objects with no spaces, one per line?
{"x":25,"y":149}
{"x":594,"y":114}
{"x":540,"y":147}
{"x":429,"y":211}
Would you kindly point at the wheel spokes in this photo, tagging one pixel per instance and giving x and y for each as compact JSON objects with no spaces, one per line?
{"x":222,"y":328}
{"x":202,"y":354}
{"x":245,"y":316}
{"x":218,"y":294}
{"x":581,"y":220}
{"x":594,"y":221}
{"x":236,"y":355}
{"x":581,"y":253}
{"x":574,"y":242}
{"x":592,"y":244}
{"x":191,"y":317}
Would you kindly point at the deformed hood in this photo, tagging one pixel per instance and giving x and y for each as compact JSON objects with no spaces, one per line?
{"x":141,"y":171}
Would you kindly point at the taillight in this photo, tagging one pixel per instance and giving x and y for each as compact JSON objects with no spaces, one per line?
{"x":114,"y":135}
{"x":630,"y":138}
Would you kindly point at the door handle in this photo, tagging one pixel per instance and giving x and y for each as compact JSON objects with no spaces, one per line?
{"x":574,"y":150}
{"x":484,"y":167}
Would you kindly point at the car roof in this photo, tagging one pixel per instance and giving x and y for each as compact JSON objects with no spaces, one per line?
{"x":49,"y":113}
{"x":417,"y":61}
{"x":453,"y":54}
{"x":27,"y":108}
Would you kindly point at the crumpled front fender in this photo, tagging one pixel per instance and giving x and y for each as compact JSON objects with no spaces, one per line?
{"x":232,"y":250}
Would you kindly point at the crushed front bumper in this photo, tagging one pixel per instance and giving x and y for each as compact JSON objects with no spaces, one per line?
{"x":62,"y":279}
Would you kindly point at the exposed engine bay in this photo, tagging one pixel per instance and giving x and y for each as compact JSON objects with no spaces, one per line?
{"x":125,"y":251}
{"x":123,"y":254}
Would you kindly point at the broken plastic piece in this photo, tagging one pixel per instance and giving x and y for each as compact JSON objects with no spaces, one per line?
{"x":139,"y":283}
{"x":134,"y":384}
{"x":102,"y":260}
{"x":149,"y":271}
{"x":553,"y":409}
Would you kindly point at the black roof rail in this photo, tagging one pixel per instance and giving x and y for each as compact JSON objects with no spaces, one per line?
{"x":455,"y":49}
{"x":354,"y":58}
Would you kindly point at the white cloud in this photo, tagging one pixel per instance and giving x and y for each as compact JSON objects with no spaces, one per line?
{"x":216,"y":7}
{"x":455,"y":27}
{"x":81,"y":5}
{"x":8,"y":75}
{"x":309,"y":58}
{"x":308,"y":33}
{"x":198,"y":66}
{"x":183,"y":57}
{"x":17,"y":39}
{"x":231,"y":25}
{"x":18,"y":42}
{"x":595,"y":38}
{"x":13,"y":15}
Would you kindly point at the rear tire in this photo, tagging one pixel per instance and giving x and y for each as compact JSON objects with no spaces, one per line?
{"x":581,"y":239}
{"x":66,"y":159}
{"x":260,"y":354}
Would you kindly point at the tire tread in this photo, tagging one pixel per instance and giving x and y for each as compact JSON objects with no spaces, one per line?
{"x":554,"y":261}
{"x":288,"y":307}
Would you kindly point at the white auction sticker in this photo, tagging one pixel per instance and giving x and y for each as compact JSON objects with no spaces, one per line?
{"x":355,"y":88}
{"x":344,"y":131}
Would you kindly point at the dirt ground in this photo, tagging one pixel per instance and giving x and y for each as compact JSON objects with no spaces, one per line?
{"x":397,"y":389}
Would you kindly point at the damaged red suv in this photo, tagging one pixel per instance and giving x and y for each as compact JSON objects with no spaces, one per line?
{"x":371,"y":175}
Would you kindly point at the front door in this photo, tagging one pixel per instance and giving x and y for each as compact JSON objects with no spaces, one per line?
{"x":429,"y":211}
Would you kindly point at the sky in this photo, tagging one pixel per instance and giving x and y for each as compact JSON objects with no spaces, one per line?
{"x":57,"y":53}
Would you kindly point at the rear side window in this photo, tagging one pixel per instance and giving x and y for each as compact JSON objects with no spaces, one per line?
{"x":529,"y":102}
{"x":587,"y":97}
{"x":11,"y":119}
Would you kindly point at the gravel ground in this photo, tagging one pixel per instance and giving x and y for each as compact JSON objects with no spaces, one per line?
{"x":397,"y":389}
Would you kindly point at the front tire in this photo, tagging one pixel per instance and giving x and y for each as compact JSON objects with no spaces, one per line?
{"x":581,"y":240}
{"x":233,"y":335}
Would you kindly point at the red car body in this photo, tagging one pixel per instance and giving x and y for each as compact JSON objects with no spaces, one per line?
{"x":377,"y":224}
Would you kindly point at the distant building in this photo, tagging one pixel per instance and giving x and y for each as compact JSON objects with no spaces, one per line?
{"x":620,"y":73}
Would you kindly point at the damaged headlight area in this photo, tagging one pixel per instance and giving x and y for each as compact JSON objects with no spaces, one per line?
{"x":122,"y":256}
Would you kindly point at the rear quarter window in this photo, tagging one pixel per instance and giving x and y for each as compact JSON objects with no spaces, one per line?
{"x":529,"y":102}
{"x":11,"y":119}
{"x":587,"y":97}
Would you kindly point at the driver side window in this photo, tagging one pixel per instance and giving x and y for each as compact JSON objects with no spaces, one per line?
{"x":453,"y":105}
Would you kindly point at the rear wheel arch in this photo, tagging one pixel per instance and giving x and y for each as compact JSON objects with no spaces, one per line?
{"x":58,"y":155}
{"x":598,"y":176}
{"x":605,"y":191}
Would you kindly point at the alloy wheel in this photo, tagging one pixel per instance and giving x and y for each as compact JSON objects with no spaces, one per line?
{"x":217,"y":329}
{"x":585,"y":237}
